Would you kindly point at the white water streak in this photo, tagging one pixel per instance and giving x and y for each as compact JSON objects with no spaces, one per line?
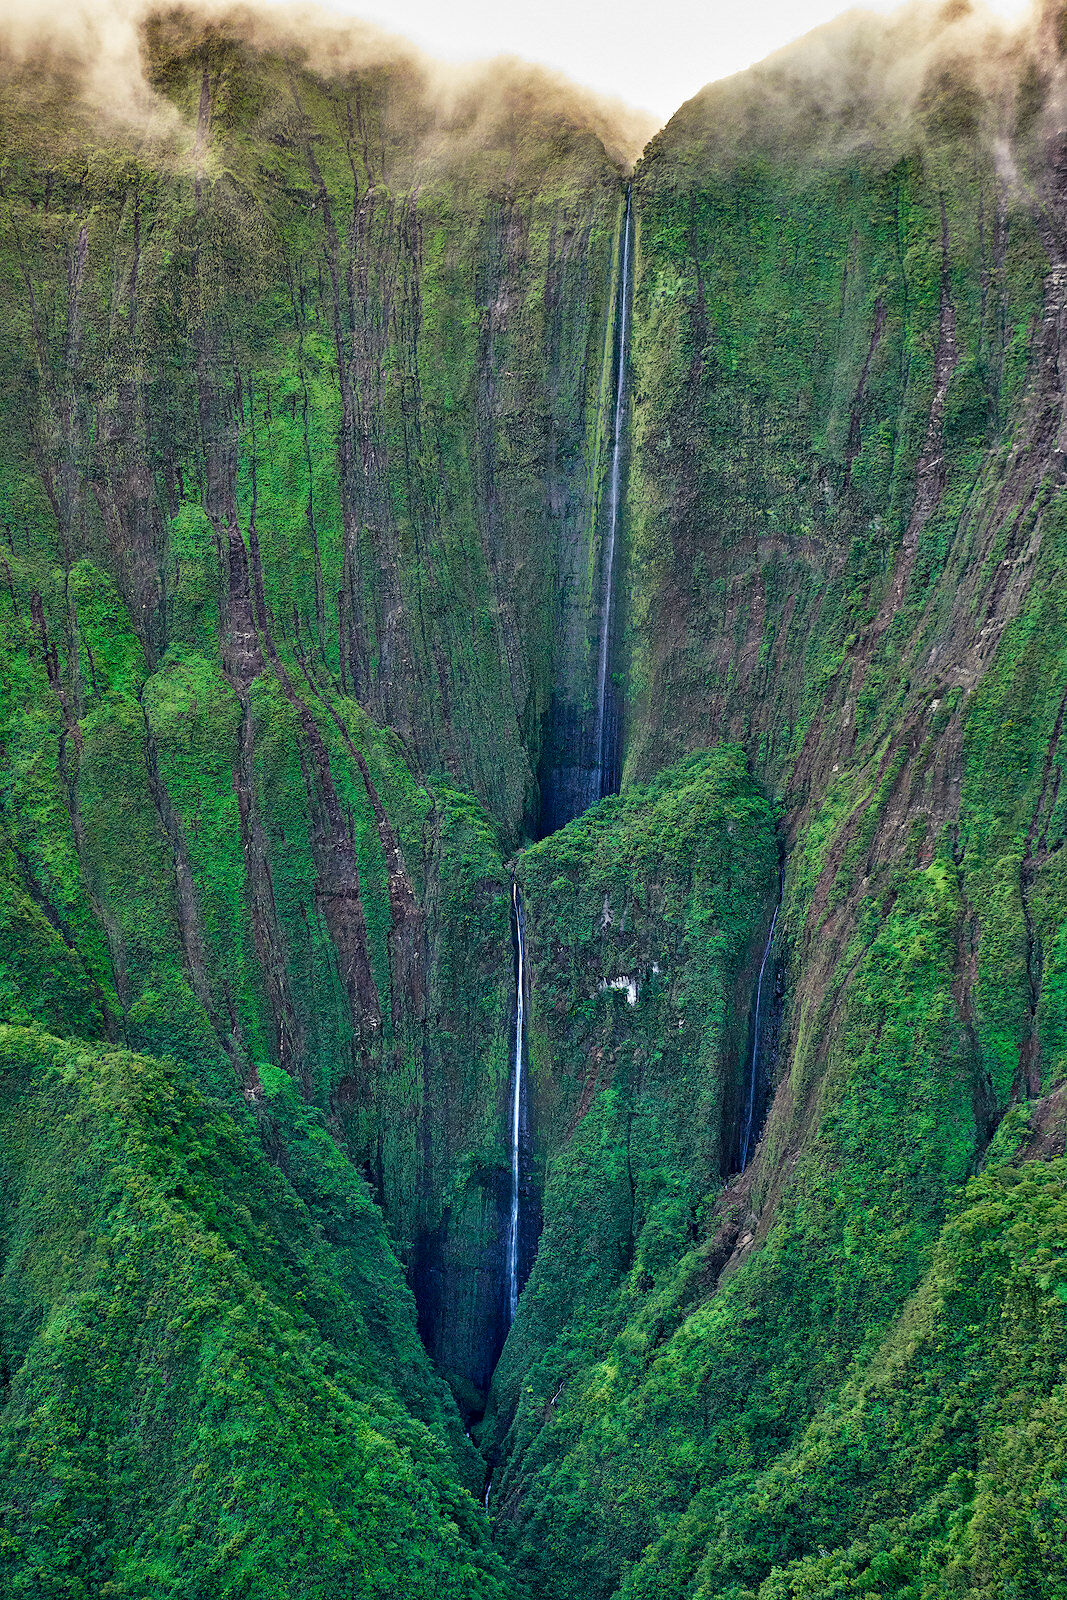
{"x":607,"y":593}
{"x":518,"y":1091}
{"x":747,"y":1139}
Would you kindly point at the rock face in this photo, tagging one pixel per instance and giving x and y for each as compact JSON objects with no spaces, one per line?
{"x":310,"y":406}
{"x":295,"y":469}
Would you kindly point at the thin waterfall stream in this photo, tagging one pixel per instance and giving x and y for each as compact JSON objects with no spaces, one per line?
{"x":753,"y":1070}
{"x":605,"y":720}
{"x":516,"y":1125}
{"x":605,"y":740}
{"x":518,"y":1098}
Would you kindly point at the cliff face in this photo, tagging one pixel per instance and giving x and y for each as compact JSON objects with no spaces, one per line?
{"x":307,"y":418}
{"x":846,"y":541}
{"x":298,"y":427}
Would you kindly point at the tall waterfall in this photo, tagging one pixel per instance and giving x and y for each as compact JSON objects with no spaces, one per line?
{"x":582,"y":786}
{"x":518,"y":1097}
{"x":753,"y":1070}
{"x":606,"y":719}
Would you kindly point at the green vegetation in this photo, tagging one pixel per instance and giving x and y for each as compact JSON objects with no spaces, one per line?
{"x":212,"y":1379}
{"x":293,"y":449}
{"x":648,"y":917}
{"x":304,"y":415}
{"x":293,"y":480}
{"x":846,"y":534}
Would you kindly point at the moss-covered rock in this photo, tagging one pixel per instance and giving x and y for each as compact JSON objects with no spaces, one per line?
{"x":305,"y":414}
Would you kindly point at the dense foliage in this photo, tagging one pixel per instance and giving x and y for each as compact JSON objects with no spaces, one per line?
{"x":305,"y":414}
{"x":213,"y":1383}
{"x":846,"y":541}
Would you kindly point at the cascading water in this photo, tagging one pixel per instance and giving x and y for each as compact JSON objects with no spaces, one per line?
{"x":518,"y":1099}
{"x":753,"y":1071}
{"x":606,"y":776}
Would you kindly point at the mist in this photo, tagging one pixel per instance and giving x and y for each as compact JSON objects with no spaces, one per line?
{"x":862,"y":79}
{"x":96,"y":50}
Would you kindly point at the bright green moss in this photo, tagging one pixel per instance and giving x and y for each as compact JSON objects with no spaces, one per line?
{"x":301,"y":475}
{"x":198,"y":1402}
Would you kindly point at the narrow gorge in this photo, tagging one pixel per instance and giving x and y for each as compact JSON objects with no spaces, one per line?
{"x":533,"y":901}
{"x":570,"y":790}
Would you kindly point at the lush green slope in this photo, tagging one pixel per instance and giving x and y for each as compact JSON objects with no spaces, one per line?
{"x":299,"y":417}
{"x":212,"y":1376}
{"x":300,"y":423}
{"x":305,"y":407}
{"x":647,"y":920}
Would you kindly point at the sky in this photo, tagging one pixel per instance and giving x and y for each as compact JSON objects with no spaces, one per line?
{"x":654,"y":54}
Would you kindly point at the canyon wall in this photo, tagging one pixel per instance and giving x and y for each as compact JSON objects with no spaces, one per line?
{"x":310,"y":393}
{"x":846,"y":538}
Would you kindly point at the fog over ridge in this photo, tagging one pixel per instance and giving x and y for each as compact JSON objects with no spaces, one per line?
{"x":98,"y":48}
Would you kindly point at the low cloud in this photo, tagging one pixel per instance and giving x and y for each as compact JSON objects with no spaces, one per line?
{"x":96,"y":50}
{"x":871,"y":81}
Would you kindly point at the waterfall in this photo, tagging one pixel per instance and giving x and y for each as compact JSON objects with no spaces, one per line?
{"x":604,"y":777}
{"x":746,"y":1134}
{"x":518,"y":1096}
{"x":605,"y":720}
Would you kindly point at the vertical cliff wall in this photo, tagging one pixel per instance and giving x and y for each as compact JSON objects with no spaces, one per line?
{"x":301,"y":416}
{"x":309,"y":413}
{"x":846,"y":532}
